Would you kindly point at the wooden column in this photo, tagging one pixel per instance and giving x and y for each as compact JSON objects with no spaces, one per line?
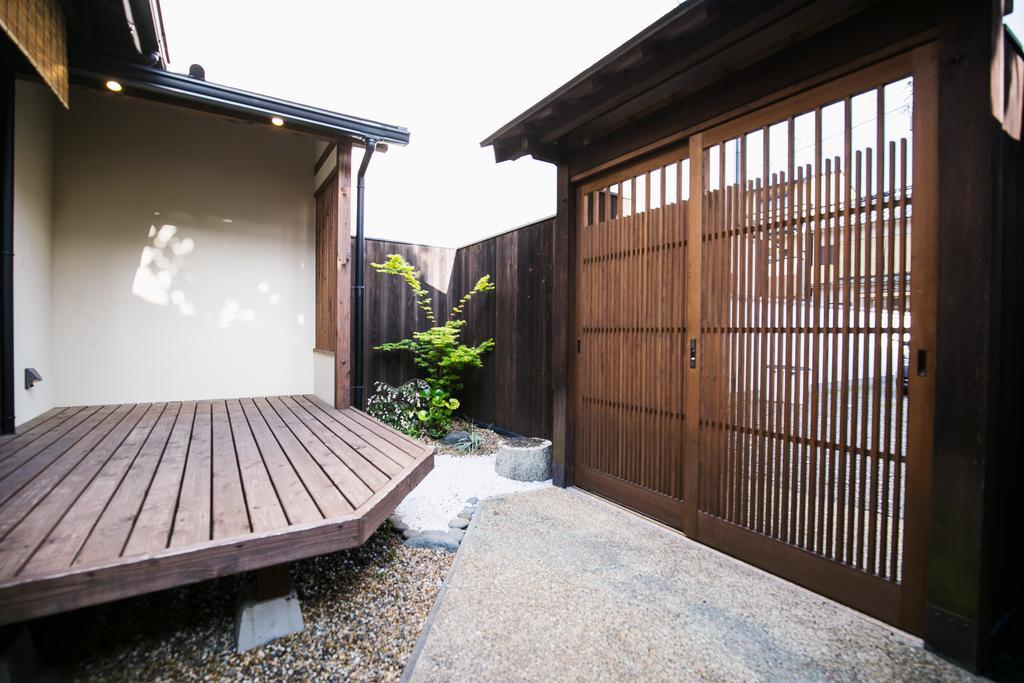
{"x":958,"y":614}
{"x":563,"y":327}
{"x":343,"y":318}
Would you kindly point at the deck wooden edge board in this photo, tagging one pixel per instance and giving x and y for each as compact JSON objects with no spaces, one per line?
{"x":160,"y":449}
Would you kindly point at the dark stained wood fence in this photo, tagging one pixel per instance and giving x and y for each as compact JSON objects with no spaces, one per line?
{"x":513,"y":389}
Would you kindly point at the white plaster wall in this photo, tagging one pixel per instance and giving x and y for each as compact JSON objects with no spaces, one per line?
{"x":183,"y":252}
{"x":33,"y":223}
{"x":323,"y":375}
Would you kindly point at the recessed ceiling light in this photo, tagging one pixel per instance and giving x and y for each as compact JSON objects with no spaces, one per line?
{"x":277,"y":121}
{"x":114,"y":86}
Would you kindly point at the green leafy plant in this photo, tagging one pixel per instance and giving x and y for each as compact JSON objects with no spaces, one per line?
{"x":437,"y":416}
{"x":438,"y":350}
{"x":400,"y":407}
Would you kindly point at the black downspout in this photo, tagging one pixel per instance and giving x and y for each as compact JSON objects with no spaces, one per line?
{"x":360,"y":280}
{"x":7,"y":247}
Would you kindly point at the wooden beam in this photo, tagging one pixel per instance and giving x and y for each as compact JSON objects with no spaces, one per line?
{"x":886,"y":31}
{"x":563,"y":327}
{"x":343,"y":318}
{"x":753,"y":30}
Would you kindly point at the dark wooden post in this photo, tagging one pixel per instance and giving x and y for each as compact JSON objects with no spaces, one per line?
{"x":7,"y":264}
{"x":958,"y":615}
{"x":343,"y":282}
{"x":563,"y":323}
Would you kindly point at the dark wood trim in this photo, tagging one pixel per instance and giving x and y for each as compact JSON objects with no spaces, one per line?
{"x":866,"y":593}
{"x":924,"y":338}
{"x":691,"y":387}
{"x":808,"y":64}
{"x":7,"y":141}
{"x":343,"y":323}
{"x":562,"y":323}
{"x":324,"y":156}
{"x":965,"y":359}
{"x":656,"y":505}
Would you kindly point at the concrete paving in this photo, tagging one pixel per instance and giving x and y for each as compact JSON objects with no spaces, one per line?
{"x":556,"y":585}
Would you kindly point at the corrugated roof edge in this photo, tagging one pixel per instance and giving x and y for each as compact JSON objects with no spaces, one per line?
{"x":173,"y":88}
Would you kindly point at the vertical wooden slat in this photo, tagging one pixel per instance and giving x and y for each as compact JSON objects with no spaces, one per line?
{"x":816,"y":455}
{"x":889,"y":459}
{"x":743,"y":395}
{"x":786,"y":325}
{"x":877,"y":242}
{"x":764,"y":278}
{"x":899,"y":448}
{"x":842,"y":475}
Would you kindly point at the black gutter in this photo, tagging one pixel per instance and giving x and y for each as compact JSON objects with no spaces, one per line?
{"x":94,"y":70}
{"x":7,"y":248}
{"x":358,"y":381}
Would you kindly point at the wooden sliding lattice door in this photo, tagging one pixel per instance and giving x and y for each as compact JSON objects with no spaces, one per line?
{"x":630,"y":335}
{"x":784,"y":398}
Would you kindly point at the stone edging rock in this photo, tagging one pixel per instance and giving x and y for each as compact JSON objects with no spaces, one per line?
{"x":447,"y":541}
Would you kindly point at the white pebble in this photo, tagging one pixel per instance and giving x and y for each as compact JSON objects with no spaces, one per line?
{"x":455,"y":478}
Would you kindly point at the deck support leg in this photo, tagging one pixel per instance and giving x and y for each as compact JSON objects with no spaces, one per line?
{"x":268,"y":609}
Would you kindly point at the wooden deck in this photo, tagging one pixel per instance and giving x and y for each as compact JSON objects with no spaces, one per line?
{"x":105,"y":502}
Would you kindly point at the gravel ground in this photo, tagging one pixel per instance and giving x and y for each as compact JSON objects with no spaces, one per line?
{"x":455,"y":479}
{"x":363,"y":610}
{"x":558,"y":586}
{"x":489,"y":440}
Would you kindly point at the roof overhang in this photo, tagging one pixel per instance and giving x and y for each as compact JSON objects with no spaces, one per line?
{"x":687,"y":49}
{"x":137,"y":80}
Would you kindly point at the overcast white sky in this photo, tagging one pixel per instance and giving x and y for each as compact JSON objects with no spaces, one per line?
{"x":450,"y":72}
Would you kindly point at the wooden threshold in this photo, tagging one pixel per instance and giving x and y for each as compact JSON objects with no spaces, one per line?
{"x":99,"y":503}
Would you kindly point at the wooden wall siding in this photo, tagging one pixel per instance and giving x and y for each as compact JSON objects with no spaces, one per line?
{"x":513,"y":389}
{"x":326,"y":270}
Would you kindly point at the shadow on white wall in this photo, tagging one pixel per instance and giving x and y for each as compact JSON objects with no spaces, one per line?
{"x":164,"y":279}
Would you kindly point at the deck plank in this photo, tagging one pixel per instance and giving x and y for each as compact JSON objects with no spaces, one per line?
{"x":25,"y":487}
{"x":392,"y":435}
{"x":349,"y":438}
{"x":356,"y":492}
{"x":324,"y":491}
{"x":110,"y":534}
{"x":63,"y":543}
{"x":398,"y":455}
{"x":61,"y":493}
{"x":230,"y":515}
{"x":291,"y":490}
{"x":55,"y":442}
{"x":265,"y":509}
{"x":38,"y":426}
{"x":152,"y":530}
{"x":192,"y":519}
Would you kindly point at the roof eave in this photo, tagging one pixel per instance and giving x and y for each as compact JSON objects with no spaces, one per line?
{"x":172,"y":88}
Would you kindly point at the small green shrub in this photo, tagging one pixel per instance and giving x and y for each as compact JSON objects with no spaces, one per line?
{"x":400,"y":407}
{"x":439,"y":349}
{"x":436,"y":418}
